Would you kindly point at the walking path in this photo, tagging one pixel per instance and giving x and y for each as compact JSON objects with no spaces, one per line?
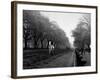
{"x":65,"y":60}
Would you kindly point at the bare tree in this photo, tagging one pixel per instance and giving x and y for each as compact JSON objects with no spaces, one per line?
{"x":82,"y":33}
{"x":38,"y":28}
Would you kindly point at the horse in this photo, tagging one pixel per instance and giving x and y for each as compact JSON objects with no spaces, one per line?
{"x":51,"y":48}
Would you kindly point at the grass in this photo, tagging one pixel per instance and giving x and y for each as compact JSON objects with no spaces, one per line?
{"x":33,"y":56}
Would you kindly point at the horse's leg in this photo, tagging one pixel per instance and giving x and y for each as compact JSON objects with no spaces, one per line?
{"x":49,"y":50}
{"x":53,"y":49}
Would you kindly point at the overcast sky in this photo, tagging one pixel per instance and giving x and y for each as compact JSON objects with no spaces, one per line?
{"x":66,"y":21}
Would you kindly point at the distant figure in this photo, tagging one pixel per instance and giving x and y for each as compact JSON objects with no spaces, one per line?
{"x":51,"y":48}
{"x":78,"y":57}
{"x":82,"y":51}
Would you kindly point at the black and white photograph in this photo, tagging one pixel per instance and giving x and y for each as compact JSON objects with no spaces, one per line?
{"x":53,"y":39}
{"x":56,"y":39}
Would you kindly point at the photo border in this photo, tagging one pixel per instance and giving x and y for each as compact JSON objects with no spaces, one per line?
{"x":14,"y":37}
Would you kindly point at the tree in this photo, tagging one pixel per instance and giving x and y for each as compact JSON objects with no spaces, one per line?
{"x":82,"y":33}
{"x":27,"y":33}
{"x":38,"y":28}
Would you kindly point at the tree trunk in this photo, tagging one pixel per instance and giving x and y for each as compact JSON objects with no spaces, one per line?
{"x":35,"y":43}
{"x":25,"y":44}
{"x":41,"y":43}
{"x":88,"y":46}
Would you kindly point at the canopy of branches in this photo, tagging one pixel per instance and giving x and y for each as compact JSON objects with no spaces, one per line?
{"x":37,"y":28}
{"x":82,"y":33}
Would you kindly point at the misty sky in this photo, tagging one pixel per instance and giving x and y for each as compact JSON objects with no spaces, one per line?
{"x":66,"y":21}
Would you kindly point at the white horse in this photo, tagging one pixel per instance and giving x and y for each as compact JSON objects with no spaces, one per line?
{"x":51,"y":48}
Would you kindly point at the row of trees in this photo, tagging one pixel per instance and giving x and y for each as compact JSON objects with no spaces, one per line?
{"x":82,"y":33}
{"x":39,"y":30}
